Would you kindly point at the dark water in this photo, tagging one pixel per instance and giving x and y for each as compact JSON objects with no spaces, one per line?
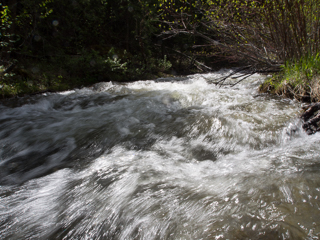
{"x":165,"y":159}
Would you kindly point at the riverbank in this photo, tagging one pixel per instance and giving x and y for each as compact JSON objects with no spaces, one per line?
{"x":30,"y":76}
{"x":298,"y":80}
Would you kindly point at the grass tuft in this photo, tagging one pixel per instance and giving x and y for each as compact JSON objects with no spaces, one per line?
{"x":298,"y":79}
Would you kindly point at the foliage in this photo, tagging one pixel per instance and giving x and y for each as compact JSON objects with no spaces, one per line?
{"x":304,"y":69}
{"x":299,"y":79}
{"x":91,"y":41}
{"x":5,"y":26}
{"x":164,"y":64}
{"x":265,"y":33}
{"x":294,"y":27}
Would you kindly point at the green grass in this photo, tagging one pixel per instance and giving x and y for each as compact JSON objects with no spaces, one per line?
{"x":297,"y":79}
{"x":302,"y":71}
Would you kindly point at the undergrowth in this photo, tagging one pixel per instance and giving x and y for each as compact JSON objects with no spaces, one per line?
{"x":299,"y":79}
{"x":66,"y":72}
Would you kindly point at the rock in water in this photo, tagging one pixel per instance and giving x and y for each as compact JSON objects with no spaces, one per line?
{"x":311,"y":118}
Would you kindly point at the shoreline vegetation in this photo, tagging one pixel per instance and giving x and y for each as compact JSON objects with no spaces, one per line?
{"x":33,"y":76}
{"x":52,"y":45}
{"x":299,"y":80}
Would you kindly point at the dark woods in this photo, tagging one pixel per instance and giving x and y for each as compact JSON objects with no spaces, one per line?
{"x":55,"y":44}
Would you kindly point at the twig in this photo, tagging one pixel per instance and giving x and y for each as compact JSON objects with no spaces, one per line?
{"x":249,"y":75}
{"x":220,"y":81}
{"x":192,"y":59}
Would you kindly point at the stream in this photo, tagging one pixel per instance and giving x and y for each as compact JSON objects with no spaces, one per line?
{"x":172,"y":158}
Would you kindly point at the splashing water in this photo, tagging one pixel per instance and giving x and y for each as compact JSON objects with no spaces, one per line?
{"x":172,"y":158}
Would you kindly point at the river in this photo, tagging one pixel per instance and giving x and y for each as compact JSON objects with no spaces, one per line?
{"x":173,"y":158}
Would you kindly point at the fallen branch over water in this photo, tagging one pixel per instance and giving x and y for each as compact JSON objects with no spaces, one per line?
{"x":221,"y":80}
{"x":246,"y":71}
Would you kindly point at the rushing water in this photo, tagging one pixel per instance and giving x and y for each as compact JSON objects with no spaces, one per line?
{"x":166,"y":159}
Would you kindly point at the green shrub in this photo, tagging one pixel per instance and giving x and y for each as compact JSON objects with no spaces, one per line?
{"x":298,"y":79}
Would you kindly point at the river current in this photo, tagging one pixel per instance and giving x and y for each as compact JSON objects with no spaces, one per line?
{"x":173,"y":158}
